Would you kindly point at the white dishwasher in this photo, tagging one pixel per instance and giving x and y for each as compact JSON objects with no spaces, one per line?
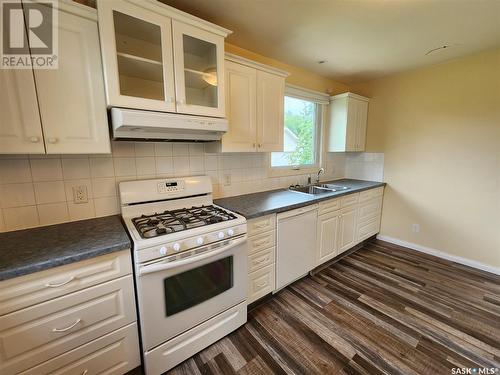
{"x":296,"y":244}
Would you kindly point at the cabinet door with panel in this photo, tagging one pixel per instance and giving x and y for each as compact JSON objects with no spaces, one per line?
{"x":361,"y":121}
{"x":347,"y":229}
{"x":199,"y":70}
{"x":137,"y":53}
{"x":241,"y":98}
{"x":71,"y":98}
{"x":20,"y":126}
{"x":328,"y":228}
{"x":270,"y":108}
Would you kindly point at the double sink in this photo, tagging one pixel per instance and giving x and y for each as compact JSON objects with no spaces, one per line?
{"x":317,"y":189}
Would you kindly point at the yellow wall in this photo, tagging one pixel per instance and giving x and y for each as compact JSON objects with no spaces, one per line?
{"x":439,"y":128}
{"x":298,"y":76}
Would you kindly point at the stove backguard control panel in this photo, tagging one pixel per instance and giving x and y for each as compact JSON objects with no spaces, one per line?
{"x":170,"y":186}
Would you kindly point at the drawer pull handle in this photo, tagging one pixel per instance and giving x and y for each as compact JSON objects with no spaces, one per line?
{"x":262,"y":260}
{"x":262,"y":285}
{"x":85,"y":372}
{"x":261,"y":242}
{"x":50,"y":285}
{"x":68,"y":327}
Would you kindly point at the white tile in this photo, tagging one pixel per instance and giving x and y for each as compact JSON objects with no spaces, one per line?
{"x":2,"y":222}
{"x":211,"y":162}
{"x":145,"y":166}
{"x":106,"y":206}
{"x":123,"y":149}
{"x":196,"y":164}
{"x":181,"y":165}
{"x":102,"y":167}
{"x":20,"y":217}
{"x":50,"y":192}
{"x":81,"y":211}
{"x":180,"y":149}
{"x":75,"y":168}
{"x":163,"y":149}
{"x":214,"y":176}
{"x":46,"y":169}
{"x":164,"y":165}
{"x":70,"y":184}
{"x":125,"y":167}
{"x":53,"y":213}
{"x":196,"y":149}
{"x":104,"y":187}
{"x":144,"y":149}
{"x":17,"y":195}
{"x":15,"y":170}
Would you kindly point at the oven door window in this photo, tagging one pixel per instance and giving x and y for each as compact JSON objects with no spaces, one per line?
{"x":192,"y":287}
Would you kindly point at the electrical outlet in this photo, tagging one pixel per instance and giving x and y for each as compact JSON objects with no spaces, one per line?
{"x":80,"y":194}
{"x":415,"y":228}
{"x":227,"y":179}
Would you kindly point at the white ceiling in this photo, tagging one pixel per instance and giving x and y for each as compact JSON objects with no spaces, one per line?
{"x":359,"y":39}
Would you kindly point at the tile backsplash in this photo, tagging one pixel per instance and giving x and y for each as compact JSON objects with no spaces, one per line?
{"x":364,"y":166}
{"x":37,"y":190}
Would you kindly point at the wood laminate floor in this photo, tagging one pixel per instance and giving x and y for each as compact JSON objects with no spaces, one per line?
{"x":380,"y":310}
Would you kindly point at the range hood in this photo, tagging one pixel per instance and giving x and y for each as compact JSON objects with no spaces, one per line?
{"x":149,"y":125}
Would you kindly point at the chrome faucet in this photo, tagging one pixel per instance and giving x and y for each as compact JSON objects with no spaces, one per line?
{"x":321,"y":170}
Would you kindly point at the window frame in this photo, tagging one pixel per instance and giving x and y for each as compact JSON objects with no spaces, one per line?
{"x":320,"y":104}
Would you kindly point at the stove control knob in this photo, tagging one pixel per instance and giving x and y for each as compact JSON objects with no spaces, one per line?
{"x":230,"y":232}
{"x":220,"y":235}
{"x":176,"y":246}
{"x":200,"y":241}
{"x":163,"y":250}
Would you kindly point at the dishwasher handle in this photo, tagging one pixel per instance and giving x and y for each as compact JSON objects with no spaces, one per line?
{"x":296,"y":212}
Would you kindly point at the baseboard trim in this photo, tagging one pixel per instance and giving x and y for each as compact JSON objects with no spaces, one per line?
{"x":440,"y":254}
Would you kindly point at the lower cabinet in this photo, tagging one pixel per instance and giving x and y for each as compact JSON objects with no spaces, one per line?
{"x":78,"y":318}
{"x":261,"y":257}
{"x":347,"y":229}
{"x":328,"y":228}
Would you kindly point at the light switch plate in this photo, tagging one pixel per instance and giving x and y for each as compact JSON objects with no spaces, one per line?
{"x":80,"y":194}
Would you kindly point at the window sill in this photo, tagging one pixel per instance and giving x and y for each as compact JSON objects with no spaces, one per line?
{"x":283,"y":171}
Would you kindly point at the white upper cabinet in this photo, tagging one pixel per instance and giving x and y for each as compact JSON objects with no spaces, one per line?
{"x":137,"y":53}
{"x":63,"y":110}
{"x":158,"y":58}
{"x":270,"y":109}
{"x":71,"y":98}
{"x":348,"y":117}
{"x":199,"y":70}
{"x":20,"y":127}
{"x":255,"y":99}
{"x":241,"y":82}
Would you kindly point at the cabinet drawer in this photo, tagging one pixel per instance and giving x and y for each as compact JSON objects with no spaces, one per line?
{"x":261,"y":242}
{"x":261,"y":224}
{"x":24,"y":291}
{"x":117,"y":352}
{"x":329,"y":206}
{"x":369,"y":194}
{"x":260,"y":283}
{"x":37,"y":333}
{"x":368,"y":229}
{"x":370,"y":209}
{"x":261,"y":259}
{"x":349,"y":200}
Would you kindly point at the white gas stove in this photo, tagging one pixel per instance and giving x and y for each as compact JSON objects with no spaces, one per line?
{"x":190,"y":267}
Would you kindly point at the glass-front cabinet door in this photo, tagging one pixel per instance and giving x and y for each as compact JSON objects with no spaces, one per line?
{"x":199,"y":70}
{"x":137,"y":52}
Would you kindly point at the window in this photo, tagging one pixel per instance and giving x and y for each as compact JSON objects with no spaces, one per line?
{"x":301,"y":135}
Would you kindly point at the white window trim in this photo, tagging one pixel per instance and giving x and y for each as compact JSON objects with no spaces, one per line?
{"x":299,"y":93}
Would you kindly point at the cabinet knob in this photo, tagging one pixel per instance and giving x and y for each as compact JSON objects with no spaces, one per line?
{"x":34,"y":139}
{"x":254,"y":145}
{"x":260,"y":145}
{"x":52,"y":140}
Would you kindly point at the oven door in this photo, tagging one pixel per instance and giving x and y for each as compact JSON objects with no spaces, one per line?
{"x":175,"y":296}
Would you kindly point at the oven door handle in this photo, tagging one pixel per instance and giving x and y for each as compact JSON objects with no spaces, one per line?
{"x":165,"y":265}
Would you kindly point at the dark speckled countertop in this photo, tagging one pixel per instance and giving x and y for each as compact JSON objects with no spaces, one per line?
{"x":31,"y":250}
{"x":268,"y":202}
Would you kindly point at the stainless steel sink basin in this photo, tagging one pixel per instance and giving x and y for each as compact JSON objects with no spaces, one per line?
{"x":317,"y":189}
